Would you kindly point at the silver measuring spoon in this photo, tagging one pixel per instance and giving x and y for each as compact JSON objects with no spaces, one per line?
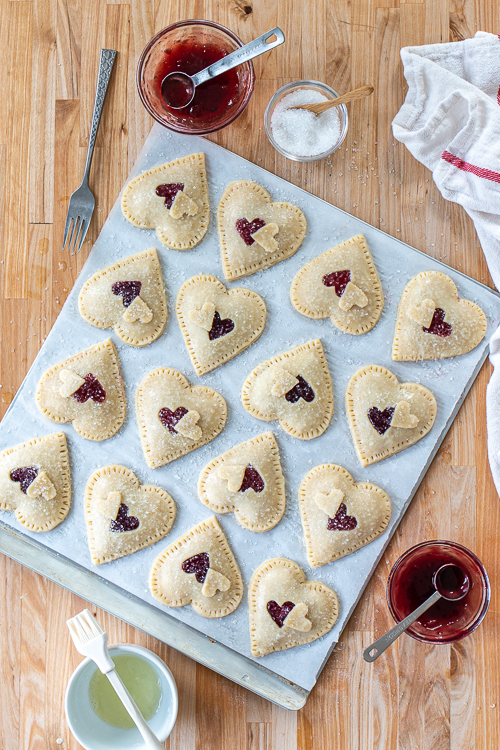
{"x":455,"y":588}
{"x":178,"y":89}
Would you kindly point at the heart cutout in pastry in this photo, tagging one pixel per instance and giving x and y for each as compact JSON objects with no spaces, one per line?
{"x":172,"y":199}
{"x":286,"y":610}
{"x":245,"y":209}
{"x":433,"y":322}
{"x":217,"y":323}
{"x":246,"y":480}
{"x":35,"y":482}
{"x":294,"y":387}
{"x":199,"y":569}
{"x":123,"y":515}
{"x":358,"y":513}
{"x":165,"y":401}
{"x":374,"y":397}
{"x":96,"y":408}
{"x":129,"y":297}
{"x":341,"y":284}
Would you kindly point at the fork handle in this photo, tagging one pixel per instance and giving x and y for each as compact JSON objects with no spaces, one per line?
{"x":105,"y":68}
{"x":150,"y":739}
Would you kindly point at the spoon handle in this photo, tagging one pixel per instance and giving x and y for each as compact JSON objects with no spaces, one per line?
{"x":241,"y":55}
{"x":349,"y":97}
{"x":373,"y":652}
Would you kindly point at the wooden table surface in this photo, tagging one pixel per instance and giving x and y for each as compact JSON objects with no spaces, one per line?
{"x":415,"y":696}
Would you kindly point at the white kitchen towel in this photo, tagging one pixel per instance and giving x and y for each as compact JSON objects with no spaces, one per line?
{"x":450,"y":121}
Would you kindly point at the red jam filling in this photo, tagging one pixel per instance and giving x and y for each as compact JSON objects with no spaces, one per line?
{"x":341,"y":521}
{"x":198,"y":564}
{"x":128,"y":290}
{"x":169,"y":191}
{"x":90,"y":389}
{"x":301,"y":390}
{"x":278,"y":613}
{"x":170,"y":418}
{"x":381,"y":420}
{"x":220,"y":327}
{"x":213,"y":98}
{"x":438,"y":326}
{"x":337,"y":279}
{"x":246,"y":228}
{"x":252,"y":480}
{"x":25,"y":475}
{"x":124,"y":522}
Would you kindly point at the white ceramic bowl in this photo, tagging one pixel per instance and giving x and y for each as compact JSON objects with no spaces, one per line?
{"x":311,"y":86}
{"x":93,"y":733}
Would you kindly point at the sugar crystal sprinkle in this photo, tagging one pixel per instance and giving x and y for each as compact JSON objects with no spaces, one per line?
{"x":303,"y":133}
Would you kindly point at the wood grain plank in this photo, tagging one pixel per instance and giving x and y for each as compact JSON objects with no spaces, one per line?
{"x":68,"y":43}
{"x":18,"y":107}
{"x":41,"y":137}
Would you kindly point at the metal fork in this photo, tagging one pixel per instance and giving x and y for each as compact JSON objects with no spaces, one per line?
{"x":82,"y":202}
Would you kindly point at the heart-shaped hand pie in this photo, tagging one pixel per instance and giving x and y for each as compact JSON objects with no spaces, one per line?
{"x":342,"y":284}
{"x":198,"y":569}
{"x":128,"y":296}
{"x":247,"y":481}
{"x":296,"y":388}
{"x":217,"y":324}
{"x":380,"y":422}
{"x":254,"y":232}
{"x":286,"y":610}
{"x":122,"y":515}
{"x":338,"y":516}
{"x":35,"y":482}
{"x":433,"y":322}
{"x":175,"y":418}
{"x":173,"y":199}
{"x":97,"y":406}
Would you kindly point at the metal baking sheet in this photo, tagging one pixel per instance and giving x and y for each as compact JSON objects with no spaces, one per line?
{"x":121,"y":586}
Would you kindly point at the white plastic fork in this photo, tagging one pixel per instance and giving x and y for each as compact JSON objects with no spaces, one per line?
{"x":82,"y":202}
{"x":91,"y":640}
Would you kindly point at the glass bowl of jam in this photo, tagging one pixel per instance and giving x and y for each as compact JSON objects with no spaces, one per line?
{"x":410,"y":584}
{"x":191,"y":46}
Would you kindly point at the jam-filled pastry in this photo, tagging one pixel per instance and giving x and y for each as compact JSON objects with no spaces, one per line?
{"x":173,"y":199}
{"x":128,"y":296}
{"x":341,"y":284}
{"x":122,"y":515}
{"x":254,"y":232}
{"x":386,"y":416}
{"x":433,"y":322}
{"x":285,"y":609}
{"x":35,"y":482}
{"x":198,"y":569}
{"x":294,"y":387}
{"x":246,"y":480}
{"x":175,"y":418}
{"x":217,"y":324}
{"x":87,"y":390}
{"x":339,"y":516}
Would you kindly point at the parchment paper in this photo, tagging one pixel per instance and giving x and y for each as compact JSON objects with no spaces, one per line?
{"x":327,"y":226}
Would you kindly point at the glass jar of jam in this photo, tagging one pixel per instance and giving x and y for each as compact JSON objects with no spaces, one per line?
{"x":410,"y":584}
{"x":191,"y":46}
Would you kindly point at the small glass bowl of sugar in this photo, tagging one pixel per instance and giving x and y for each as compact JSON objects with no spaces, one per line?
{"x":301,"y":135}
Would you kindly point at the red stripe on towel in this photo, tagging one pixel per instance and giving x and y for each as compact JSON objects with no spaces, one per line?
{"x":486,"y":174}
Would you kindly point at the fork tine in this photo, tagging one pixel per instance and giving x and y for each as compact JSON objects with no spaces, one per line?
{"x":83,"y":232}
{"x":69,"y":220}
{"x":74,"y":235}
